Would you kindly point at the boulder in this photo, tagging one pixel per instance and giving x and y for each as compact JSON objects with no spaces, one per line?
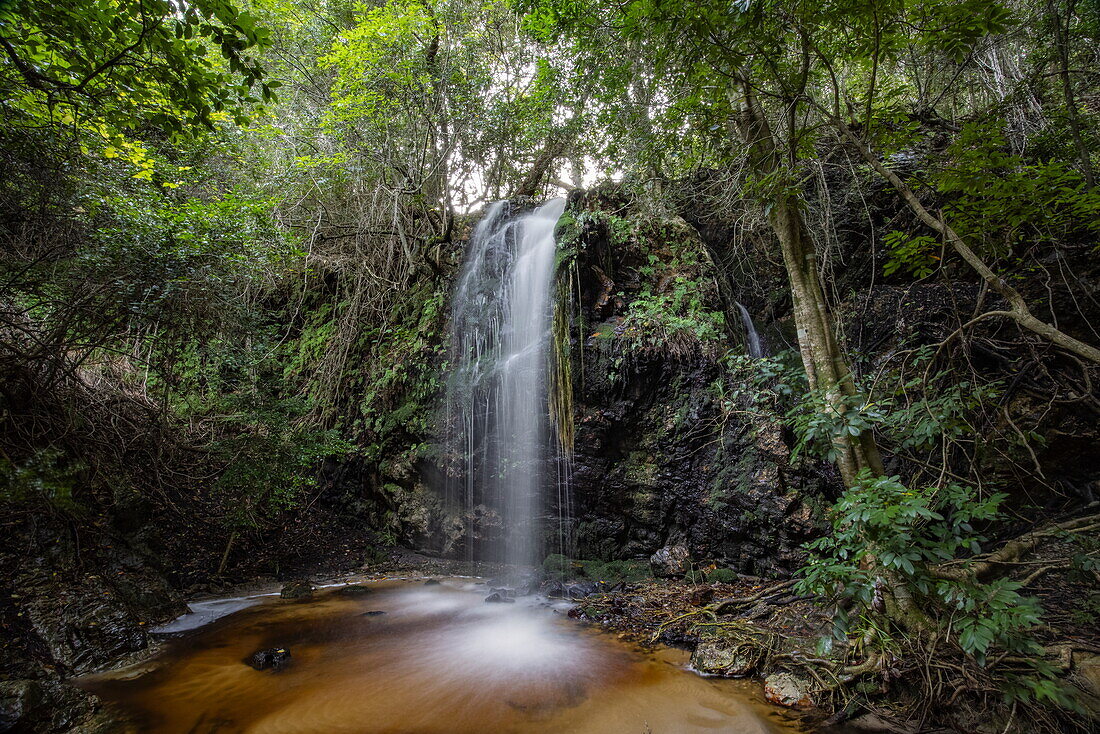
{"x":273,"y":658}
{"x":85,"y":624}
{"x":723,"y":657}
{"x":497,"y":598}
{"x":1086,"y":679}
{"x":45,"y":705}
{"x":297,"y":590}
{"x":788,"y":689}
{"x":672,"y":560}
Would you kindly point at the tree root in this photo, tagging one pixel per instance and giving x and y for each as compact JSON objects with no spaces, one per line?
{"x":725,"y":606}
{"x":981,"y":567}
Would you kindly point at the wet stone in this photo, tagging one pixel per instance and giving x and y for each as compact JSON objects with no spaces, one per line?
{"x":720,"y":657}
{"x":554,"y":590}
{"x":670,"y":561}
{"x":432,"y":582}
{"x":296,"y":590}
{"x":499,"y":598}
{"x":274,"y":658}
{"x":788,"y":689}
{"x":353,"y":590}
{"x":372,"y":613}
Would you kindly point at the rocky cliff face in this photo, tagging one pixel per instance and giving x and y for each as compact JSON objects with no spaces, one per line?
{"x":70,"y":605}
{"x":659,"y":458}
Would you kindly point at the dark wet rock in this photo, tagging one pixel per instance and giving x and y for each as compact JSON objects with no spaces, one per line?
{"x":297,"y":590}
{"x":789,"y":689}
{"x":84,"y":623}
{"x":554,"y":590}
{"x":372,"y":613}
{"x":582,"y":589}
{"x":670,"y":561}
{"x":432,"y":582}
{"x":497,"y":598}
{"x":274,"y":658}
{"x":49,"y":705}
{"x":674,"y":637}
{"x":354,"y":591}
{"x":657,"y":463}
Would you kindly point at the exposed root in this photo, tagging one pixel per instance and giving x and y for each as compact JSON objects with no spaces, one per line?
{"x":726,"y":606}
{"x":982,"y":567}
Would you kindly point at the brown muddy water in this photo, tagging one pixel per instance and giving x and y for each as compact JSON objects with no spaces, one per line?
{"x":438,"y":661}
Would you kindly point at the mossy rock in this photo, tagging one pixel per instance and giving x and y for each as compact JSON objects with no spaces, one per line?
{"x":616,"y":571}
{"x":722,"y":576}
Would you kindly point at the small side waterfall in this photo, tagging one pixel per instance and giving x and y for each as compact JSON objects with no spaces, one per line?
{"x":752,"y":339}
{"x":497,"y":413}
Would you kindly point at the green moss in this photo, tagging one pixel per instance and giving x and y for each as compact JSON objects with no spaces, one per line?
{"x":613,"y":572}
{"x":640,"y":469}
{"x":722,"y":576}
{"x":560,"y":392}
{"x":558,"y":566}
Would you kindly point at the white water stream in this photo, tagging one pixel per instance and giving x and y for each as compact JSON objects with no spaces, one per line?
{"x":497,"y":411}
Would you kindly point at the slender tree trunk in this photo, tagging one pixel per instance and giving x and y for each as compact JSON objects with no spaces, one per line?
{"x":1061,"y":41}
{"x":826,"y":368}
{"x":552,"y":151}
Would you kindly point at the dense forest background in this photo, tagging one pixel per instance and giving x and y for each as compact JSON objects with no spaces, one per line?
{"x":229,"y":232}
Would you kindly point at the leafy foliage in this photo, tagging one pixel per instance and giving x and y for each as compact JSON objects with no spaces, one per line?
{"x":270,"y":464}
{"x":48,"y":480}
{"x":885,"y":534}
{"x":110,"y":66}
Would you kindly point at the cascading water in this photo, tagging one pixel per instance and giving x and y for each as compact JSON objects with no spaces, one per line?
{"x":753,"y":343}
{"x":497,"y":413}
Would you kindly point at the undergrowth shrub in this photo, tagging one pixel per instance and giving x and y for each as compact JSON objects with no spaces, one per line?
{"x":887,"y":545}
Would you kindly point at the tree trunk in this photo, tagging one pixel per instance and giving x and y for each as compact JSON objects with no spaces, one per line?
{"x":554,"y":149}
{"x":1061,"y":42}
{"x":826,"y":368}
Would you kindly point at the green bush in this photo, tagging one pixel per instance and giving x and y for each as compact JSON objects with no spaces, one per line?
{"x":886,"y":542}
{"x":46,"y":480}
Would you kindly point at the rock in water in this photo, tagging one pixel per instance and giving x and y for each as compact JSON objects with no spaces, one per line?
{"x":672,"y":560}
{"x":788,"y":689}
{"x":297,"y":590}
{"x":497,"y":598}
{"x":275,"y":658}
{"x":353,"y":590}
{"x":432,"y":582}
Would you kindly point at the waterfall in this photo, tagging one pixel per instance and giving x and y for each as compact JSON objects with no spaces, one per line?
{"x":752,"y":338}
{"x":497,"y":412}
